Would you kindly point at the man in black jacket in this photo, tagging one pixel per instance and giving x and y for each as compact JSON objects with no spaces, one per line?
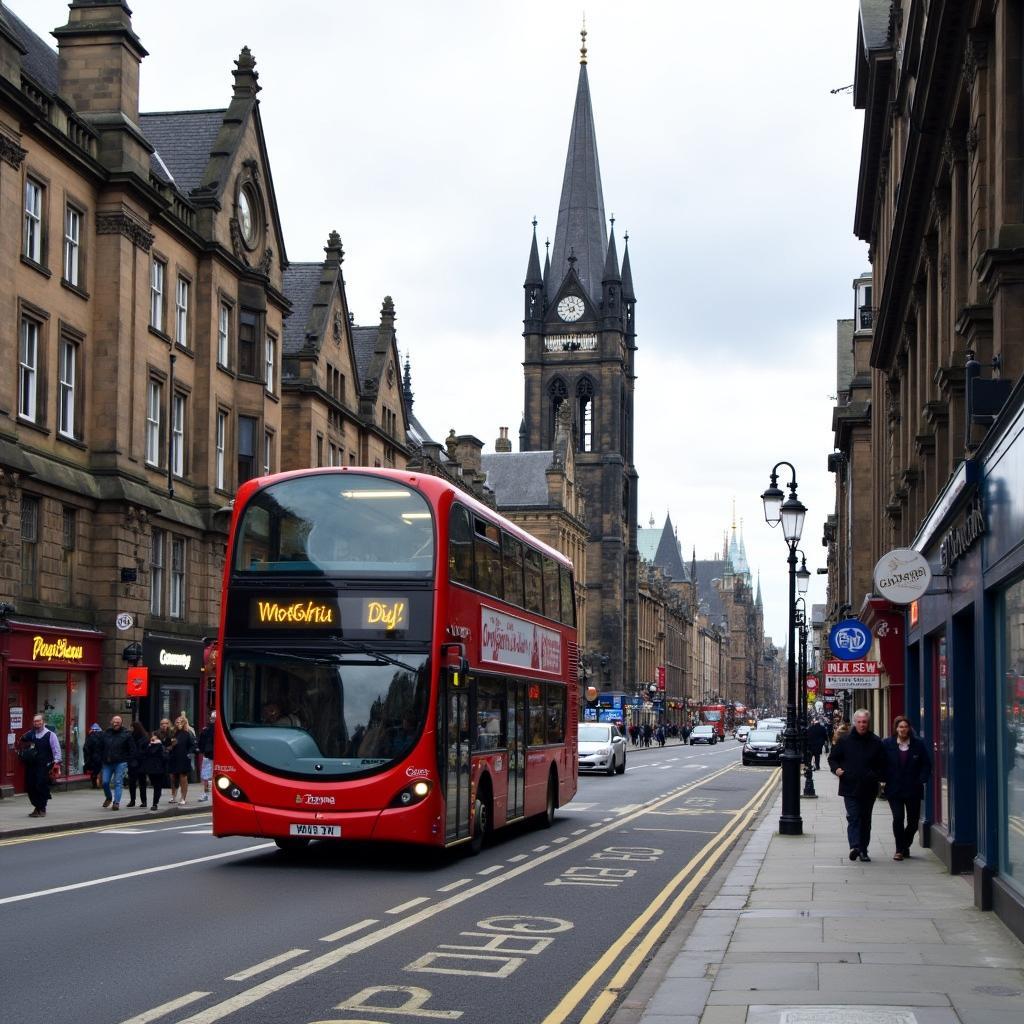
{"x":858,"y":761}
{"x":116,"y":751}
{"x":817,"y":736}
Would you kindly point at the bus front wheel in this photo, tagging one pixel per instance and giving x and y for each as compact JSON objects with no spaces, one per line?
{"x":547,"y":818}
{"x":481,"y":826}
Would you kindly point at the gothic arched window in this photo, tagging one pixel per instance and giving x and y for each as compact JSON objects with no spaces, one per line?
{"x":558,"y":393}
{"x":585,"y":417}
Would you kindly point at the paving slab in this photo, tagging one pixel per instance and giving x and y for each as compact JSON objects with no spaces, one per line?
{"x":850,"y":1015}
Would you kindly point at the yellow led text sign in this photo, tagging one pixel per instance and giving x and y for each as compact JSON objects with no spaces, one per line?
{"x":295,"y":613}
{"x":60,"y":649}
{"x":389,"y":614}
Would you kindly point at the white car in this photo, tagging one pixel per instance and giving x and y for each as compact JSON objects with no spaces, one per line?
{"x":703,"y":734}
{"x":742,"y":731}
{"x":601,"y":748}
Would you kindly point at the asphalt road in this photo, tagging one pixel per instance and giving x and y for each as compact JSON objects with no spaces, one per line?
{"x":163,"y":922}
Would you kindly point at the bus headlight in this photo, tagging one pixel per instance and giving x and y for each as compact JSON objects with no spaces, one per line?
{"x":412,"y":794}
{"x":227,"y":787}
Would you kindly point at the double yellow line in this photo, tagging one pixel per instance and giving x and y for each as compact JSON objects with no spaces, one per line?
{"x":697,"y":869}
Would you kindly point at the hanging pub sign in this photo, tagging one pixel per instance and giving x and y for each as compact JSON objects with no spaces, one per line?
{"x":137,"y":683}
{"x":902,"y":576}
{"x":850,"y":639}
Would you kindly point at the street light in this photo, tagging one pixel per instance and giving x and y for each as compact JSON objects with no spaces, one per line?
{"x":803,"y":575}
{"x":790,"y":513}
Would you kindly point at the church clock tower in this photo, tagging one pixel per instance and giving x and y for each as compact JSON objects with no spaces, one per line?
{"x":580,"y":333}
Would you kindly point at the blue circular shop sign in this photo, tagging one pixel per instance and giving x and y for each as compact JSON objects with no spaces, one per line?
{"x":850,"y":640}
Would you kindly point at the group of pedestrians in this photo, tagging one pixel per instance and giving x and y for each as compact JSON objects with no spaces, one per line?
{"x":647,"y":735}
{"x":862,"y":762}
{"x":149,"y":762}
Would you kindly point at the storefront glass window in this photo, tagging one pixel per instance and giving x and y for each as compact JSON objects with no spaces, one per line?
{"x":61,"y":699}
{"x":78,"y":727}
{"x":943,"y":728}
{"x":1010,"y":735}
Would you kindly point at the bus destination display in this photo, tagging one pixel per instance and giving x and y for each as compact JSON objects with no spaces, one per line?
{"x":384,"y":613}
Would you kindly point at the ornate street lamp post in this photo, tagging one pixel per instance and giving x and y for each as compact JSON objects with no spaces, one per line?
{"x":789,"y":511}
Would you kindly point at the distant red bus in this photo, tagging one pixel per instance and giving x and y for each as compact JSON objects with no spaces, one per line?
{"x":396,"y":662}
{"x":716,"y":716}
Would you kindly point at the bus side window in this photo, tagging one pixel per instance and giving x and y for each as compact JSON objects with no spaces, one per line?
{"x":512,"y":568}
{"x":568,"y":598}
{"x":536,"y":713}
{"x":460,"y":546}
{"x":551,"y":588}
{"x":555,"y":713}
{"x":487,"y":557}
{"x":490,"y":715}
{"x":534,"y":586}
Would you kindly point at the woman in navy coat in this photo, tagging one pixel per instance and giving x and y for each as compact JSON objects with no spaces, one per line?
{"x":907,"y":768}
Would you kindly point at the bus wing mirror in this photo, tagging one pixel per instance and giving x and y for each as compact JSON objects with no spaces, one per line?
{"x":453,"y":657}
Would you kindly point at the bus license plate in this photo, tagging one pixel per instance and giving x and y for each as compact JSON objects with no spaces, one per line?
{"x":315,"y":831}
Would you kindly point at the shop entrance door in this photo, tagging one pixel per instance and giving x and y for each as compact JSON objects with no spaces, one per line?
{"x":455,"y":739}
{"x":173,"y":699}
{"x":17,"y":720}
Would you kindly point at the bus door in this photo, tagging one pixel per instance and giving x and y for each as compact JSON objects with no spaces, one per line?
{"x":455,"y":747}
{"x":516,"y":749}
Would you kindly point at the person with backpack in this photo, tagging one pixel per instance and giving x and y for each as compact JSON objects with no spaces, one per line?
{"x":92,"y":751}
{"x":39,"y":752}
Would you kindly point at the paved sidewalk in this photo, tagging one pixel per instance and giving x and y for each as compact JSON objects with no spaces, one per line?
{"x":797,"y":934}
{"x":82,"y":808}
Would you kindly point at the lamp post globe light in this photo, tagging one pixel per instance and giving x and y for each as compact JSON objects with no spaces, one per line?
{"x":790,"y":512}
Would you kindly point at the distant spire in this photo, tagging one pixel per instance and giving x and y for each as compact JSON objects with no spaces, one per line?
{"x":581,"y":227}
{"x":627,"y":273}
{"x":758,"y":598}
{"x":583,"y":41}
{"x":650,"y":522}
{"x":407,"y":384}
{"x":611,"y":263}
{"x":533,"y":274}
{"x":547,"y":262}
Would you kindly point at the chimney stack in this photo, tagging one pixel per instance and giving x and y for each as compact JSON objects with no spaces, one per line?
{"x":503,"y":444}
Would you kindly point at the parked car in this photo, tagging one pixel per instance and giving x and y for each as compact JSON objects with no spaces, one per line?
{"x":742,"y":731}
{"x":763,"y":746}
{"x":703,"y":734}
{"x":601,"y":748}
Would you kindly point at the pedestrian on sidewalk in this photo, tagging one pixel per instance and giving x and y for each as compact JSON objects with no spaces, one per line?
{"x":907,"y":768}
{"x":39,"y":752}
{"x":92,"y":753}
{"x":204,"y":757}
{"x":116,"y":751}
{"x":858,"y":761}
{"x":816,"y":737}
{"x":136,"y":776}
{"x":153,"y":762}
{"x":183,"y":746}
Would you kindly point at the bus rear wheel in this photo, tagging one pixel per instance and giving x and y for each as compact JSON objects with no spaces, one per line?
{"x":292,"y":844}
{"x":481,"y":826}
{"x":547,"y":817}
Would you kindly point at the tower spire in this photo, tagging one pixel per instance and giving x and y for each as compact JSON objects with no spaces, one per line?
{"x":581,"y":224}
{"x":583,"y":41}
{"x":534,"y":284}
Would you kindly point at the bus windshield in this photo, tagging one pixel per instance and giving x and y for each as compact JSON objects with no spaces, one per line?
{"x":336,"y":523}
{"x":712,"y":716}
{"x":325,"y":716}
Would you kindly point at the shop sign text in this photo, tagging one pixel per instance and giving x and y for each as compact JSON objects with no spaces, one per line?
{"x":61,"y":649}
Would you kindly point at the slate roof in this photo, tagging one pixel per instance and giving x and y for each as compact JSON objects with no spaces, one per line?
{"x":874,"y":20}
{"x":364,"y":339}
{"x":517,"y":478}
{"x":183,"y":139}
{"x":581,"y":226}
{"x":668,"y":558}
{"x":707,"y":597}
{"x":40,"y":62}
{"x":301,"y":282}
{"x":417,"y":435}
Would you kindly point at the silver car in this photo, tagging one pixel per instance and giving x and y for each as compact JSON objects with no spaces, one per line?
{"x":602,"y":748}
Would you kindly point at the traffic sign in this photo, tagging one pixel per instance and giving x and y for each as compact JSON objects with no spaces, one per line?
{"x":850,"y":639}
{"x":812,"y":683}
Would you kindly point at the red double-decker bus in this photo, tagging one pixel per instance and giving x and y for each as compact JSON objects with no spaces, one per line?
{"x":396,"y":662}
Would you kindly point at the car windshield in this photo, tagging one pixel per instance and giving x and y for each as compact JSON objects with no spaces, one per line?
{"x":703,"y":729}
{"x":764,"y":736}
{"x":325,"y":716}
{"x":594,"y":734}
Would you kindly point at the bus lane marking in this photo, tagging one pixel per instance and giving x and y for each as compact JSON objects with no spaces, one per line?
{"x":403,"y":907}
{"x":132,"y":874}
{"x":266,"y":965}
{"x":165,"y":1008}
{"x":414,"y":1006}
{"x":491,"y":869}
{"x":357,"y":927}
{"x":300,"y":972}
{"x":522,"y":856}
{"x":69,"y":832}
{"x":648,"y":926}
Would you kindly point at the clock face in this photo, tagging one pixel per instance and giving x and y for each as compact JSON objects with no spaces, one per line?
{"x":571,"y":308}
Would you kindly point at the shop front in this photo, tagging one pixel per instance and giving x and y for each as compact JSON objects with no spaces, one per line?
{"x":176,"y":679}
{"x":54,"y":671}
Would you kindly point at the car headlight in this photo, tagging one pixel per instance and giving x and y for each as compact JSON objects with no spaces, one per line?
{"x":605,"y":751}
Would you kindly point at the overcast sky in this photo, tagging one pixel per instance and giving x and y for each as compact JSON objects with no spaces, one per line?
{"x":429,"y":134}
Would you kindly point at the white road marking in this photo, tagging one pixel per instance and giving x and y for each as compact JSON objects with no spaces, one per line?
{"x":455,"y":885}
{"x":491,"y":869}
{"x":357,"y":927}
{"x":403,"y":907}
{"x":265,"y":965}
{"x":541,"y":849}
{"x":198,"y":832}
{"x":561,"y":839}
{"x":164,"y":1009}
{"x":124,"y":831}
{"x":579,"y":831}
{"x":301,"y":972}
{"x":522,"y":856}
{"x":574,"y":806}
{"x":133,"y":874}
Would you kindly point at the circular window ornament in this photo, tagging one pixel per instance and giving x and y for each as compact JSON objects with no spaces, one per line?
{"x":902,"y":576}
{"x":247,"y":216}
